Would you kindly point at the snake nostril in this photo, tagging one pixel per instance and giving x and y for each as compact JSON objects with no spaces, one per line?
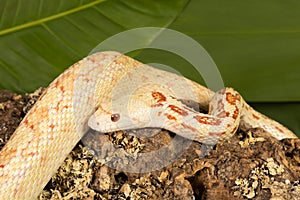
{"x":115,"y":117}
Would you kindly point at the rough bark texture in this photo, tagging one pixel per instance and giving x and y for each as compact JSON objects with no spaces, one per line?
{"x":250,"y":165}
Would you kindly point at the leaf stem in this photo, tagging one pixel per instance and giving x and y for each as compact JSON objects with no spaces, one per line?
{"x":50,"y":18}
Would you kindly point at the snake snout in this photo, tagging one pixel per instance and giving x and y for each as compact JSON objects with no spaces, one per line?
{"x":94,"y":123}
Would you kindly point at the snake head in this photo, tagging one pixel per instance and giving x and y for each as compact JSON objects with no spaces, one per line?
{"x":122,"y":114}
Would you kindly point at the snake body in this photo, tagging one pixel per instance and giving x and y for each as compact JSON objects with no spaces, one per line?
{"x":84,"y":96}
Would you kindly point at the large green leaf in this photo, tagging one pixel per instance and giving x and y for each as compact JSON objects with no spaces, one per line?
{"x":256,"y":45}
{"x":39,"y":40}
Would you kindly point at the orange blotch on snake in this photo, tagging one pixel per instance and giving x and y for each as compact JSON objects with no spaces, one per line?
{"x":280,"y":130}
{"x":235,"y":113}
{"x":57,"y":106}
{"x":207,"y":120}
{"x":170,"y":117}
{"x":234,"y":130}
{"x":26,"y":122}
{"x":159,"y":97}
{"x":56,"y":83}
{"x":66,"y":107}
{"x":230,"y":98}
{"x":31,"y":154}
{"x":51,"y":126}
{"x":255,"y":116}
{"x":178,"y":110}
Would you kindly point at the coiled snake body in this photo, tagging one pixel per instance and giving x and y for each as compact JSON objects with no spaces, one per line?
{"x":90,"y":94}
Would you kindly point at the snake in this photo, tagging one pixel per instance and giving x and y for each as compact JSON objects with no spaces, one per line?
{"x":109,"y":91}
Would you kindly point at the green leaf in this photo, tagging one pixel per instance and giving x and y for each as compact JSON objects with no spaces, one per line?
{"x":40,"y":39}
{"x":256,"y":45}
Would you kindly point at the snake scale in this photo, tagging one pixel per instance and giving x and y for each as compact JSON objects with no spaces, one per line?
{"x":91,"y":94}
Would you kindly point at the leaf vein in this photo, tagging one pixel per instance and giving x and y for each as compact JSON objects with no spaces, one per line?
{"x":47,"y":28}
{"x":50,"y":18}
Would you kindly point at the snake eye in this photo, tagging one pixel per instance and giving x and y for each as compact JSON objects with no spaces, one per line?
{"x":115,"y":117}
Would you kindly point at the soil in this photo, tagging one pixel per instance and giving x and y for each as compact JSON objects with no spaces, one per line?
{"x":157,"y":164}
